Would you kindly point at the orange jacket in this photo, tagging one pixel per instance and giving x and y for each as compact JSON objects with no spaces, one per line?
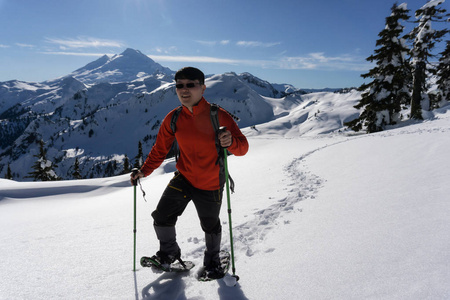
{"x":196,"y":139}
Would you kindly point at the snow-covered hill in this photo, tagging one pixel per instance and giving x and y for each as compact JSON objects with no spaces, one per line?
{"x":99,"y":113}
{"x":318,"y":216}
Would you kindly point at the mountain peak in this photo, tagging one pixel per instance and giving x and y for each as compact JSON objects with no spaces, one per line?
{"x":131,"y":52}
{"x":125,"y":67}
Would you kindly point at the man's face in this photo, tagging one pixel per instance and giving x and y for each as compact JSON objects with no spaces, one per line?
{"x":189,"y":92}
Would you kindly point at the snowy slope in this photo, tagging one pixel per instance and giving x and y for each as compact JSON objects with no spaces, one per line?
{"x":312,"y":114}
{"x":327,"y":216}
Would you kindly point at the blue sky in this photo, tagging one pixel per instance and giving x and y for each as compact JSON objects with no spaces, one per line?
{"x":310,"y":44}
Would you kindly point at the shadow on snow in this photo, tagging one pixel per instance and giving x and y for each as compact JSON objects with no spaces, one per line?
{"x":172,"y":286}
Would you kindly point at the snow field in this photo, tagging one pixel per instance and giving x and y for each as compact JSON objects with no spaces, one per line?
{"x":321,"y":217}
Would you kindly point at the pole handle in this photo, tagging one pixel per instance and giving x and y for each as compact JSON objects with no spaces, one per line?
{"x":134,"y":171}
{"x":222,"y":129}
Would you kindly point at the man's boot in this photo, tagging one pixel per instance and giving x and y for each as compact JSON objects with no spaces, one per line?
{"x":168,"y":247}
{"x":212,"y":241}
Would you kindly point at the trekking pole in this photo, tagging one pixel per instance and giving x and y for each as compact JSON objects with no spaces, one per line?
{"x":227,"y":184}
{"x":135,"y":171}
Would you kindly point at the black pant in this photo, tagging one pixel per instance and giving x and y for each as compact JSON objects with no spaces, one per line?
{"x":176,"y":197}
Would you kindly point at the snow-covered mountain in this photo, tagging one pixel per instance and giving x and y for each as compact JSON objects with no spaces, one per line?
{"x":99,"y":113}
{"x":125,"y":67}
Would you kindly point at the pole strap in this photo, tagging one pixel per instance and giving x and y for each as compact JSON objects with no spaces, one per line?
{"x":142,"y":190}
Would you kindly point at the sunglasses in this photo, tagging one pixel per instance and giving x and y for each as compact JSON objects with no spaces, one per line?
{"x":189,"y":85}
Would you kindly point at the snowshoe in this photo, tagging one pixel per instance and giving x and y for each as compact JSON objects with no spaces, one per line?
{"x":165,"y":263}
{"x":216,"y":272}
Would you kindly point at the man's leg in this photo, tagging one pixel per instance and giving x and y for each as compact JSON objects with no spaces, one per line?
{"x":208,"y":205}
{"x":171,"y":205}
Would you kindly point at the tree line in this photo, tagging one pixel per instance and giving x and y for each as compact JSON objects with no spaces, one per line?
{"x":404,"y":74}
{"x":43,"y":168}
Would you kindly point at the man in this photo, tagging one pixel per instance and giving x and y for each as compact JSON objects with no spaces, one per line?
{"x":197,"y":176}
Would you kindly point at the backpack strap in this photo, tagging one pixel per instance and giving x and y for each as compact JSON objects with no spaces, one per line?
{"x":235,"y":118}
{"x":215,"y":117}
{"x":173,"y":126}
{"x":173,"y":121}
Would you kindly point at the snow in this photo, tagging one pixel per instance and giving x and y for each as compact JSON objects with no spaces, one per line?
{"x":327,"y":215}
{"x":230,"y":280}
{"x":403,"y":6}
{"x":432,"y":3}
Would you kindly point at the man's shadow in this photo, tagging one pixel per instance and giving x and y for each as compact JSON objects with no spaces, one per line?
{"x":172,"y":286}
{"x":167,"y":286}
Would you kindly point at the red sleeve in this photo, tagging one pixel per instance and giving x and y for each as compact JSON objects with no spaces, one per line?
{"x":163,"y":144}
{"x":239,"y":146}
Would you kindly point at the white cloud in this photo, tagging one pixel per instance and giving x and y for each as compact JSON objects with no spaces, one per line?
{"x":200,"y":59}
{"x":213,"y":43}
{"x":256,"y":44}
{"x":239,"y":43}
{"x":166,"y":50}
{"x":207,"y":43}
{"x":319,"y":61}
{"x":84,"y":42}
{"x":74,"y":53}
{"x":312,"y":61}
{"x":4,"y":46}
{"x":24,"y":45}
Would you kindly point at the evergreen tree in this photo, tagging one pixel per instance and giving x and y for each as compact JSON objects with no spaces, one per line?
{"x":138,"y":159}
{"x":126,"y":165}
{"x":8,"y":174}
{"x":382,"y":98}
{"x":76,"y":170}
{"x":109,"y":171}
{"x":424,"y":39}
{"x":443,"y":75}
{"x":43,"y":168}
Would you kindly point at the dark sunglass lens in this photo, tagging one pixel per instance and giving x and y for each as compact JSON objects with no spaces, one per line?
{"x":189,"y":85}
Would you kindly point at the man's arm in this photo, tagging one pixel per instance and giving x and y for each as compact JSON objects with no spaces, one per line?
{"x":163,"y":144}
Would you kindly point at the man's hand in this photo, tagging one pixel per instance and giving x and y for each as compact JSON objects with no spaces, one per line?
{"x":225,"y":139}
{"x":135,"y":175}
